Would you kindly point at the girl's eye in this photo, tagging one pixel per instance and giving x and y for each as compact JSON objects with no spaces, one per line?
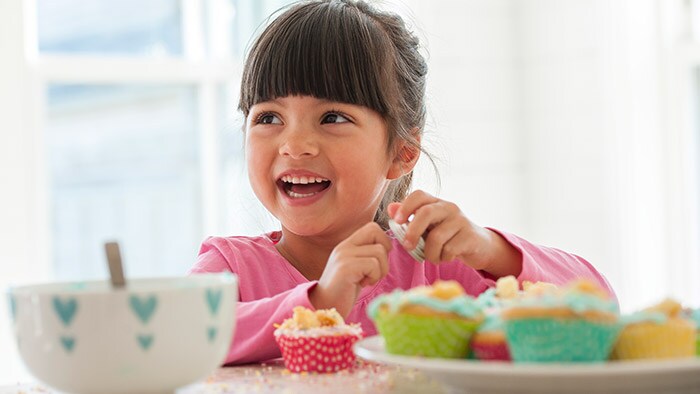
{"x":334,"y":118}
{"x":268,"y":119}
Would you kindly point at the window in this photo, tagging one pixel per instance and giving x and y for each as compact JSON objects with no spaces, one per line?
{"x":135,"y":130}
{"x":128,"y":27}
{"x":130,"y":113}
{"x":123,"y":163}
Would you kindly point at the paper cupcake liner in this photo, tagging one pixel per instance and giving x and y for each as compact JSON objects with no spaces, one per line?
{"x":560,"y":340}
{"x":655,"y":341}
{"x":490,"y":351}
{"x":427,"y":336}
{"x":329,"y":353}
{"x":697,"y":345}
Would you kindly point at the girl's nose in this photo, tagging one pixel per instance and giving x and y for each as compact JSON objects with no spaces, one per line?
{"x":298,"y":143}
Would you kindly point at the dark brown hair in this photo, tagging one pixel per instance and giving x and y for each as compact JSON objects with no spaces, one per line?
{"x":345,"y":51}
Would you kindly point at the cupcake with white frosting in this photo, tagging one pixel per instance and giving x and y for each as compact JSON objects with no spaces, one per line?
{"x":317,"y":341}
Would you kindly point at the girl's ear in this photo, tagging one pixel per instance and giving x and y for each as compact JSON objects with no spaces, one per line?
{"x":406,"y":157}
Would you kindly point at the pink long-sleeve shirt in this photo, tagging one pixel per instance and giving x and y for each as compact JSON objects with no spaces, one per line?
{"x":269,"y":286}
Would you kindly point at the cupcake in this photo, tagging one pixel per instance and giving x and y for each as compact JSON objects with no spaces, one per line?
{"x":578,"y":323}
{"x":695,"y":315}
{"x":428,"y":321}
{"x":659,"y":332}
{"x":489,"y":341}
{"x":317,"y":341}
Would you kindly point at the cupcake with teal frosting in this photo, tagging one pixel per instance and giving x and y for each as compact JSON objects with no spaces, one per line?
{"x":577,"y":323}
{"x":695,"y":315}
{"x":489,"y":341}
{"x":427,"y":321}
{"x":658,"y":332}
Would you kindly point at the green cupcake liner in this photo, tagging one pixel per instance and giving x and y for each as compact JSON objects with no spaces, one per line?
{"x":427,"y":336}
{"x":560,"y":340}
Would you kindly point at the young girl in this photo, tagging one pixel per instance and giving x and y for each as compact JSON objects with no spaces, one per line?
{"x":333,"y":94}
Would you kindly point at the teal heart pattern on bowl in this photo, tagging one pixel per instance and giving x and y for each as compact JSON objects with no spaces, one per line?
{"x":68,"y":343}
{"x":211,"y":334}
{"x":213,"y":300}
{"x":145,"y":341}
{"x":143,"y":307}
{"x":65,"y":309}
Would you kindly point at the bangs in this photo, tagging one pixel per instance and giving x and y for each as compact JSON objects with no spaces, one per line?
{"x":327,"y":50}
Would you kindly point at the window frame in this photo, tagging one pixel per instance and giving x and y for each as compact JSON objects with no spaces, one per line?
{"x":204,"y":73}
{"x":25,"y":77}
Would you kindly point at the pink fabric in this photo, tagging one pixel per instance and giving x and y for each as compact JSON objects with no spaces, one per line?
{"x":269,"y":287}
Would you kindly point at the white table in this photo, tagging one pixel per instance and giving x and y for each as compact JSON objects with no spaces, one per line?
{"x":274,"y":378}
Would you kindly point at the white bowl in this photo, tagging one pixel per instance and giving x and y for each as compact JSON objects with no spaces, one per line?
{"x":152,"y":336}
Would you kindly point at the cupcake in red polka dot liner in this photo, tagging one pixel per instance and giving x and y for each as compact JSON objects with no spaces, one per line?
{"x":317,"y":341}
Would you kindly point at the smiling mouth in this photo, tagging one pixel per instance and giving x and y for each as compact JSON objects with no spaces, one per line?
{"x":303,"y":186}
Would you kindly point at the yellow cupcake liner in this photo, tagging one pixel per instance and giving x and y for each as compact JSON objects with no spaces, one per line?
{"x":650,"y":340}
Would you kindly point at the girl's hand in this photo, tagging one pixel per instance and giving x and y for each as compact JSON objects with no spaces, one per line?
{"x":449,"y":235}
{"x":358,"y":261}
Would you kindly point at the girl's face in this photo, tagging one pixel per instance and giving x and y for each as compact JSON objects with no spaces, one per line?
{"x":320,"y":167}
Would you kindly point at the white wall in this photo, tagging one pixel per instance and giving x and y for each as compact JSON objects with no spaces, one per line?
{"x":22,"y":237}
{"x":551,"y":117}
{"x":474,"y":110}
{"x":592,"y":99}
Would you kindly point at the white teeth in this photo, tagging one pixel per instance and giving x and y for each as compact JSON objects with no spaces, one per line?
{"x":302,"y":179}
{"x":298,"y":195}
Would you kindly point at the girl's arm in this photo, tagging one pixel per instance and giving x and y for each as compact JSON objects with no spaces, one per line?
{"x":253,"y":339}
{"x":546,"y":264}
{"x":450,"y":235}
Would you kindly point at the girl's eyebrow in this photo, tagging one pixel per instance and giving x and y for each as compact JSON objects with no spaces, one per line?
{"x":277,"y":102}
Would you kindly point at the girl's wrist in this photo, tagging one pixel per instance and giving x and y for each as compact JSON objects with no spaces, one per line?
{"x":321,"y":298}
{"x":502,"y":259}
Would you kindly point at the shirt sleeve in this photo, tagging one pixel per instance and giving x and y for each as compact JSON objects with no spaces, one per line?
{"x":541,"y":263}
{"x":253,"y":339}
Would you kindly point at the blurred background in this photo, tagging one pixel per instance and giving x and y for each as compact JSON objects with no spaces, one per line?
{"x":573,"y":123}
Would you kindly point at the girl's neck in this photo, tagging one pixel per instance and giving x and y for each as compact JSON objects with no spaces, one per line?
{"x":308,"y":255}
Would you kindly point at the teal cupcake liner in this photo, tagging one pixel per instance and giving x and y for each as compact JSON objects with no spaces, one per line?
{"x":426,"y":336}
{"x":545,"y":340}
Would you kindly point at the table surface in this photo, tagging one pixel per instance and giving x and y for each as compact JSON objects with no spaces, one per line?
{"x":274,"y":378}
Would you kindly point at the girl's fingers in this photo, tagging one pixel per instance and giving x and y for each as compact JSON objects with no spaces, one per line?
{"x":370,"y":234}
{"x":439,"y":237}
{"x":427,"y":218}
{"x":369,"y":267}
{"x":411,"y":204}
{"x":457,"y":247}
{"x":392,"y":208}
{"x":377,"y":252}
